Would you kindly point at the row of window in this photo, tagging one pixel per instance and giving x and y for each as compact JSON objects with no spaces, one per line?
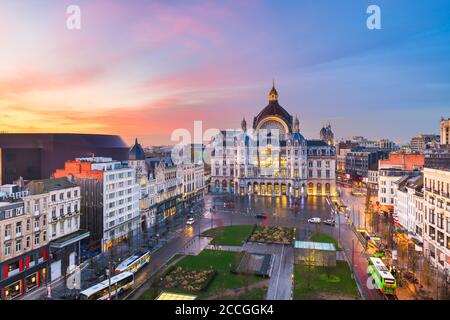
{"x":117,"y":176}
{"x":20,"y":245}
{"x":119,"y":185}
{"x":64,"y":195}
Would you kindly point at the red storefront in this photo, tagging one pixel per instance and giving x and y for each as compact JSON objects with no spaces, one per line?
{"x":23,"y":274}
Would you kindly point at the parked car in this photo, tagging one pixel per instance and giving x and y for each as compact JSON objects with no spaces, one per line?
{"x":314,"y":220}
{"x":261,"y":216}
{"x":190,"y":221}
{"x":330,"y":222}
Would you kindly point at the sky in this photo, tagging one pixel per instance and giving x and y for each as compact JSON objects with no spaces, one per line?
{"x":142,"y":69}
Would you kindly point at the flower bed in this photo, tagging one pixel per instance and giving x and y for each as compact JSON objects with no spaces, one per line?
{"x":189,"y":280}
{"x":273,"y":234}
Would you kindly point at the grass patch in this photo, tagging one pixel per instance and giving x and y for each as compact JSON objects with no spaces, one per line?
{"x":325,"y":238}
{"x":229,"y":236}
{"x":221,"y":262}
{"x":309,"y":282}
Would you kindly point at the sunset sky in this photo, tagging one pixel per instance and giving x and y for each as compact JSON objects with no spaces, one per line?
{"x":144,"y":68}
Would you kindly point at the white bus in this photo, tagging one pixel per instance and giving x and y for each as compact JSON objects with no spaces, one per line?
{"x":134,"y":263}
{"x":100,"y":291}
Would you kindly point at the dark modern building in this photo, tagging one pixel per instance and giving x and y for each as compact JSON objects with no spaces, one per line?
{"x":438,"y":158}
{"x":38,"y":155}
{"x":359,"y":161}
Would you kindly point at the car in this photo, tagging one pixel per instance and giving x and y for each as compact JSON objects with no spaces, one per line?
{"x":330,"y":222}
{"x":314,"y":220}
{"x":261,"y":216}
{"x":190,"y":221}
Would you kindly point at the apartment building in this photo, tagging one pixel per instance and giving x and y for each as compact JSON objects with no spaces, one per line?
{"x":437,"y":216}
{"x":60,"y":200}
{"x":388,"y":182}
{"x":23,"y":243}
{"x":110,"y":199}
{"x":168,"y":182}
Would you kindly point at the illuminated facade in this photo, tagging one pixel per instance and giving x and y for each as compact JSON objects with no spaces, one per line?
{"x":272,"y":159}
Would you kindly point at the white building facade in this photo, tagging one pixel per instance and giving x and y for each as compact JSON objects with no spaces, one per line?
{"x":437,"y":217}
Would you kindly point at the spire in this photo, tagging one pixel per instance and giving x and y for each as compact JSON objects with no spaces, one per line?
{"x":273,"y":94}
{"x":244,"y":125}
{"x":135,"y":141}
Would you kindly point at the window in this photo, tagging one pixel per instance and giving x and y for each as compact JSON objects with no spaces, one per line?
{"x":44,"y":236}
{"x":7,"y":251}
{"x":28,"y":242}
{"x":53,"y":197}
{"x":61,"y":196}
{"x":36,"y":223}
{"x":28,"y":225}
{"x":8,"y":230}
{"x":18,"y":228}
{"x":36,"y":239}
{"x":18,"y":245}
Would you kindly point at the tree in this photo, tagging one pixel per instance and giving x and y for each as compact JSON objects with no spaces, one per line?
{"x":427,"y":275}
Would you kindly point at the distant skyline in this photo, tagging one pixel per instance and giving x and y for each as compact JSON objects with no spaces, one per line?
{"x":144,"y":68}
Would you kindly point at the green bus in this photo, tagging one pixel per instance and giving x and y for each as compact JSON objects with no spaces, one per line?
{"x":383,"y":279}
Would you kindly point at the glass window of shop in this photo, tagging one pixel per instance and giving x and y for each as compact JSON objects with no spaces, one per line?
{"x":31,"y":281}
{"x":12,"y":291}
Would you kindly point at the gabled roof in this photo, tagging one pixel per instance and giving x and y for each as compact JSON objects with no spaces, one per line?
{"x":136,"y":152}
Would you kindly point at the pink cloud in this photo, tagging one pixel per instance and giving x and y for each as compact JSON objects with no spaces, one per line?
{"x":26,"y":80}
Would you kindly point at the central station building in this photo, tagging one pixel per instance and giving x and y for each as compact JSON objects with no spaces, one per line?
{"x":273,"y":158}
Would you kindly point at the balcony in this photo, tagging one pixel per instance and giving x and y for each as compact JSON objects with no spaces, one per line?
{"x":36,"y":213}
{"x":7,"y":238}
{"x":36,"y":229}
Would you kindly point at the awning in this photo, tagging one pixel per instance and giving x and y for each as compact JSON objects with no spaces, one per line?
{"x":69,"y":239}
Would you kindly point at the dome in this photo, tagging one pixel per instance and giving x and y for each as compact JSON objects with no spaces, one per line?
{"x":274,"y":109}
{"x":297,"y":137}
{"x":136,"y":152}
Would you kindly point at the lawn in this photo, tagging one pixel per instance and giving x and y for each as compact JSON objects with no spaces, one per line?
{"x":221,"y":262}
{"x":325,"y":238}
{"x":322,"y":280}
{"x":229,"y":236}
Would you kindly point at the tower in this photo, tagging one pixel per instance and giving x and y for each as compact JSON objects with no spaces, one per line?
{"x":244,"y":125}
{"x":273,"y":94}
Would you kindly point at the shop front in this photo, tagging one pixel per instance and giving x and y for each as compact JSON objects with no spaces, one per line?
{"x":31,"y":274}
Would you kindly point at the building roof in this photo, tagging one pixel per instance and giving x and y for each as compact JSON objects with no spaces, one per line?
{"x":174,"y":296}
{"x":154,"y":161}
{"x":136,"y":152}
{"x":314,"y":245}
{"x":273,"y":109}
{"x":297,"y":137}
{"x":47,"y":185}
{"x":316,"y":143}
